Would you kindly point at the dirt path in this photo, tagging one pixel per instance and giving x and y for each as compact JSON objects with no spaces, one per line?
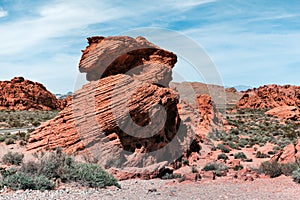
{"x":222,"y":188}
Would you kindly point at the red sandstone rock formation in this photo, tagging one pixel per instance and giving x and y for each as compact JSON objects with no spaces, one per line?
{"x":285,"y":112}
{"x":289,"y":154}
{"x":270,"y":96}
{"x":21,"y":94}
{"x":125,"y":55}
{"x":210,"y":118}
{"x":128,"y":117}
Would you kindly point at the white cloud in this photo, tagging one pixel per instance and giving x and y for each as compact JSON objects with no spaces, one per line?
{"x":188,"y":3}
{"x":3,"y":13}
{"x":55,"y":20}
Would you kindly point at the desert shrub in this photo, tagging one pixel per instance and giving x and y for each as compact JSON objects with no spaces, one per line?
{"x":36,"y":123}
{"x":21,"y":181}
{"x":215,"y":166}
{"x":288,"y":168}
{"x":232,"y":145}
{"x":234,"y":131}
{"x":271,"y":152}
{"x":7,"y":172}
{"x":261,"y":155}
{"x":240,"y":155}
{"x":9,"y":141}
{"x":243,"y":142}
{"x":90,"y":175}
{"x":223,"y":148}
{"x":238,"y":167}
{"x":185,"y":162}
{"x":2,"y":138}
{"x":30,"y":130}
{"x":58,"y":165}
{"x":30,"y":167}
{"x":276,"y":148}
{"x":13,"y":158}
{"x":296,"y":175}
{"x":222,"y":156}
{"x":272,"y":169}
{"x":170,"y":176}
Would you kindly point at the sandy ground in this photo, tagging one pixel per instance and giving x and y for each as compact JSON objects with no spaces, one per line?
{"x":222,"y":188}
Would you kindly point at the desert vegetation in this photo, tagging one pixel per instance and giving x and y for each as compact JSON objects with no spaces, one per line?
{"x":253,"y":127}
{"x":20,"y":119}
{"x":50,"y":170}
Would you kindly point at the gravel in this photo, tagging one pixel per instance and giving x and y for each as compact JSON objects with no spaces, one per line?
{"x":222,"y":188}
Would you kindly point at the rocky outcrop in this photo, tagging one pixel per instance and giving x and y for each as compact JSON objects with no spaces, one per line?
{"x":285,"y":112}
{"x":270,"y":96}
{"x":210,"y":118}
{"x":118,"y":103}
{"x":125,"y":55}
{"x":126,"y":118}
{"x":21,"y":94}
{"x":289,"y":154}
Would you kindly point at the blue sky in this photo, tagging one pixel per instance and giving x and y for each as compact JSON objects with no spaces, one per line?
{"x":253,"y":42}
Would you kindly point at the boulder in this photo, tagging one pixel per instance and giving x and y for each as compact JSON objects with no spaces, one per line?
{"x":125,"y":55}
{"x":285,"y":112}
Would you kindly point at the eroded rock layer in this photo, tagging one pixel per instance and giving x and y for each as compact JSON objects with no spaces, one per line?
{"x":285,"y":113}
{"x":126,"y":116}
{"x":125,"y":55}
{"x":21,"y":94}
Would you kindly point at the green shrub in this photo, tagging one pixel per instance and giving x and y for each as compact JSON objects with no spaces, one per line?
{"x":91,"y":175}
{"x":238,"y":167}
{"x":20,"y":181}
{"x":261,"y":155}
{"x":223,"y":148}
{"x":30,"y":167}
{"x":215,"y":166}
{"x":185,"y":162}
{"x":58,"y":165}
{"x":13,"y":158}
{"x":240,"y":155}
{"x":222,"y":156}
{"x":170,"y":176}
{"x":296,"y":175}
{"x":243,"y":142}
{"x":9,"y":141}
{"x":288,"y":168}
{"x":2,"y":138}
{"x":272,"y":169}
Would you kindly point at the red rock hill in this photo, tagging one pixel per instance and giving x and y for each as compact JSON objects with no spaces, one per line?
{"x":21,"y":94}
{"x":270,"y":96}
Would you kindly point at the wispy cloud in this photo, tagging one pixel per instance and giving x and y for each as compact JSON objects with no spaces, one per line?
{"x":3,"y":13}
{"x":242,"y":38}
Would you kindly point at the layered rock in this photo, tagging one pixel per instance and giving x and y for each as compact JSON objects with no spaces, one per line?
{"x":270,"y":96}
{"x":125,"y":55}
{"x":210,"y":118}
{"x":127,"y":117}
{"x":289,"y":154}
{"x":21,"y":94}
{"x":285,"y":113}
{"x":102,"y":108}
